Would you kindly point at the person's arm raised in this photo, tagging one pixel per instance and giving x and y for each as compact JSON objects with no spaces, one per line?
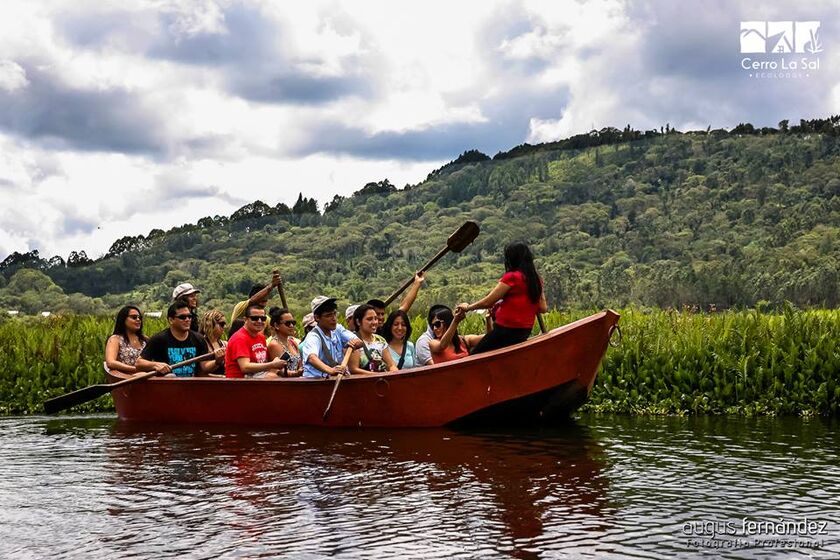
{"x":436,"y":345}
{"x":409,"y":298}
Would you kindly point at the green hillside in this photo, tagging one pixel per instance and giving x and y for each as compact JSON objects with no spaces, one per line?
{"x":740,"y":218}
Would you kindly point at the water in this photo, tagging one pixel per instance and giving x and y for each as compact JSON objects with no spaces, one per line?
{"x":90,"y":487}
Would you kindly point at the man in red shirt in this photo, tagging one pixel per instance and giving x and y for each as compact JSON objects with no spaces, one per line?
{"x":246,"y":354}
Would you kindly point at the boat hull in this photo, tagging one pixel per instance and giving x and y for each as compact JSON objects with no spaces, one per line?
{"x":545,"y":377}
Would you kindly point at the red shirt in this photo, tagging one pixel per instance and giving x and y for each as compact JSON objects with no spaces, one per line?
{"x":517,"y":311}
{"x":243,"y":345}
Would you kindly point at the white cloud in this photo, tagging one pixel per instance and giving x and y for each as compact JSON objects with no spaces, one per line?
{"x":12,"y":76}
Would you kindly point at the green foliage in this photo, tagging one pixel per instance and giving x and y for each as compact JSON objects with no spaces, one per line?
{"x":743,"y":362}
{"x":42,"y":358}
{"x":615,"y":218}
{"x":669,"y":362}
{"x":31,"y":291}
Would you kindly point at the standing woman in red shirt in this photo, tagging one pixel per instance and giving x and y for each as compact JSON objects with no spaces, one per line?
{"x":521,"y":293}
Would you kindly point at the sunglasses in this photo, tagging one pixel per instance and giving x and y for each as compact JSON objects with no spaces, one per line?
{"x":290,"y":323}
{"x":221,"y":323}
{"x":437,"y":324}
{"x":257,"y":318}
{"x":135,"y":317}
{"x":183,"y":316}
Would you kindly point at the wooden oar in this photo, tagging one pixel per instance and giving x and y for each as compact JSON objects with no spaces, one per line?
{"x":456,"y":243}
{"x":541,"y":322}
{"x":341,"y":375}
{"x":68,"y":400}
{"x":281,"y":292}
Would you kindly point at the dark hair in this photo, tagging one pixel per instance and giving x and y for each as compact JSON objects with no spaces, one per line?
{"x":389,"y":325}
{"x":235,"y":326}
{"x":325,"y":307}
{"x":119,"y":323}
{"x":255,"y":289}
{"x":176,"y":305}
{"x":377,"y":303}
{"x":275,"y":313}
{"x":252,"y":306}
{"x":447,"y":317}
{"x":433,"y":311}
{"x":519,"y":257}
{"x":360,"y":313}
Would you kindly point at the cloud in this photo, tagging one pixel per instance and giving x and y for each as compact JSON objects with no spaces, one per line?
{"x":246,"y":47}
{"x":52,"y":113}
{"x":679,"y":63}
{"x":158,"y":113}
{"x":12,"y":76}
{"x":176,"y":186}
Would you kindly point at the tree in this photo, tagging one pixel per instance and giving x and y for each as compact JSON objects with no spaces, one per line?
{"x":79,"y":258}
{"x":305,"y":206}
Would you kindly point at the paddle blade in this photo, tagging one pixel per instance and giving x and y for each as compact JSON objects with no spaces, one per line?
{"x":465,"y":235}
{"x":69,"y":400}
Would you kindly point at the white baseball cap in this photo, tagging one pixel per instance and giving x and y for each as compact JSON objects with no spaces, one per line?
{"x":308,"y":320}
{"x":184,"y":289}
{"x":319,"y":301}
{"x":350,"y":310}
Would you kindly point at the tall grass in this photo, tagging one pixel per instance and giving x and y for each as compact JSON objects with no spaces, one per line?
{"x":669,"y":362}
{"x":42,"y":358}
{"x":741,"y":362}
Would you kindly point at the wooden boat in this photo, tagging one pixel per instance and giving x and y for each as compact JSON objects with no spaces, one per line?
{"x":545,"y":377}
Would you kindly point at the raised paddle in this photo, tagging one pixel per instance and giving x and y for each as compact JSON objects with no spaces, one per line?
{"x":456,"y":243}
{"x":68,"y":400}
{"x":341,"y":375}
{"x":280,"y":291}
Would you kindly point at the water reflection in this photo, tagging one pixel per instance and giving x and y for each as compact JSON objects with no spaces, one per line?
{"x":296,"y":489}
{"x":612,"y":486}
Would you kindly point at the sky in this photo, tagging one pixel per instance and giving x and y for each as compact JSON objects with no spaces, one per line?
{"x":120,"y":117}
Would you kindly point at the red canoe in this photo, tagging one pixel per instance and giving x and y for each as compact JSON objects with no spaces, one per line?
{"x":546,"y":376}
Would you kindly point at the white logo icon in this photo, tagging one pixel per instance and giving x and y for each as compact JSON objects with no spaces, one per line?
{"x":780,"y":37}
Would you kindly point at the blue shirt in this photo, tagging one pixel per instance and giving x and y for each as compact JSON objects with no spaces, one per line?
{"x":313,"y":344}
{"x":408,"y":363}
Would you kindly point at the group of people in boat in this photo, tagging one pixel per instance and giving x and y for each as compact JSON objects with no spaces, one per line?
{"x":264,"y":344}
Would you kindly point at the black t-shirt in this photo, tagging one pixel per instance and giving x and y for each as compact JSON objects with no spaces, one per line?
{"x":163,"y":347}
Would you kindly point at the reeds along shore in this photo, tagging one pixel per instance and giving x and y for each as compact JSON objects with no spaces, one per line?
{"x":669,"y":362}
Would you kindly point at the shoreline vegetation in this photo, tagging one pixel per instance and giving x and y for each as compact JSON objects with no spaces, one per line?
{"x":669,"y":362}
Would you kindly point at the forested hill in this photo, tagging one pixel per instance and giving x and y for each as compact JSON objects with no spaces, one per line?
{"x":740,"y":218}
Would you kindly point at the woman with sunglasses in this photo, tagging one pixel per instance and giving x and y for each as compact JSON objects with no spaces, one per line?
{"x":212,"y":326}
{"x":448,"y":345}
{"x":282,"y":341}
{"x":124,"y":346}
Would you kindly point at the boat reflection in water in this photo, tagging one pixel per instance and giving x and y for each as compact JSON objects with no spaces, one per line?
{"x":434,"y":492}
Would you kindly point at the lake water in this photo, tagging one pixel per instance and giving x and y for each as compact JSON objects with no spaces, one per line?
{"x":605,"y":486}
